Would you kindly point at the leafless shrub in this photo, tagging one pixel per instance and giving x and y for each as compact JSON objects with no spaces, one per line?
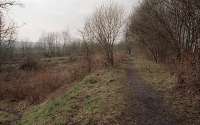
{"x":7,"y":31}
{"x":104,"y":28}
{"x":30,"y":64}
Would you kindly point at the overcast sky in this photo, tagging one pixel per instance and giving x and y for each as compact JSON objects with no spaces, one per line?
{"x":40,"y":16}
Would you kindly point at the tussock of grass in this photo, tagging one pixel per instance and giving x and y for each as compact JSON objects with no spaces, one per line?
{"x":98,"y":99}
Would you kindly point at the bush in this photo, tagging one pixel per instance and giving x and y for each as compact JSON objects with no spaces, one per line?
{"x":30,"y":64}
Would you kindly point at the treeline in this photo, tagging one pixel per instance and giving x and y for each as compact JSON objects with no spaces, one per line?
{"x":169,"y":30}
{"x":50,"y":45}
{"x":99,"y":35}
{"x":7,"y":30}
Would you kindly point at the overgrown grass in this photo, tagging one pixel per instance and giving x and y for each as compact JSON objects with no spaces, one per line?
{"x":35,"y":86}
{"x":98,"y":99}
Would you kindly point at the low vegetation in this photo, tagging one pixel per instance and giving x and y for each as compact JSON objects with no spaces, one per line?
{"x":6,"y":117}
{"x":101,"y":98}
{"x":62,"y":80}
{"x":21,"y":89}
{"x":161,"y":79}
{"x":35,"y":85}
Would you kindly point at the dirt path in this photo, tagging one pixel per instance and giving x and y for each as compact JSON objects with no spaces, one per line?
{"x":149,"y":107}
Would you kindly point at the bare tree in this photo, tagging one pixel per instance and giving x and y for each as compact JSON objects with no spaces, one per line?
{"x":7,"y":31}
{"x":66,"y":40}
{"x":104,"y":27}
{"x":128,"y":38}
{"x":87,"y":48}
{"x":51,"y":44}
{"x":58,"y":44}
{"x":26,"y":48}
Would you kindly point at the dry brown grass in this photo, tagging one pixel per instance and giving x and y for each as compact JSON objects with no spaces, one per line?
{"x":120,"y":57}
{"x":35,"y":86}
{"x":20,"y":90}
{"x":32,"y":86}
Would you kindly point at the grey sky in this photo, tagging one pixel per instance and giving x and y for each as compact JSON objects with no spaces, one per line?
{"x":39,"y":16}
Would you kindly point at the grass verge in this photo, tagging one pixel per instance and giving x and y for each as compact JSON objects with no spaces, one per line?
{"x":101,"y":98}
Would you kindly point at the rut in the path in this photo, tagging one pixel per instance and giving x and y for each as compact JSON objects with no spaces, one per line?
{"x":149,"y":108}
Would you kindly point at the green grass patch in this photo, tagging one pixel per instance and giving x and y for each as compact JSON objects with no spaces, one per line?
{"x":96,"y":100}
